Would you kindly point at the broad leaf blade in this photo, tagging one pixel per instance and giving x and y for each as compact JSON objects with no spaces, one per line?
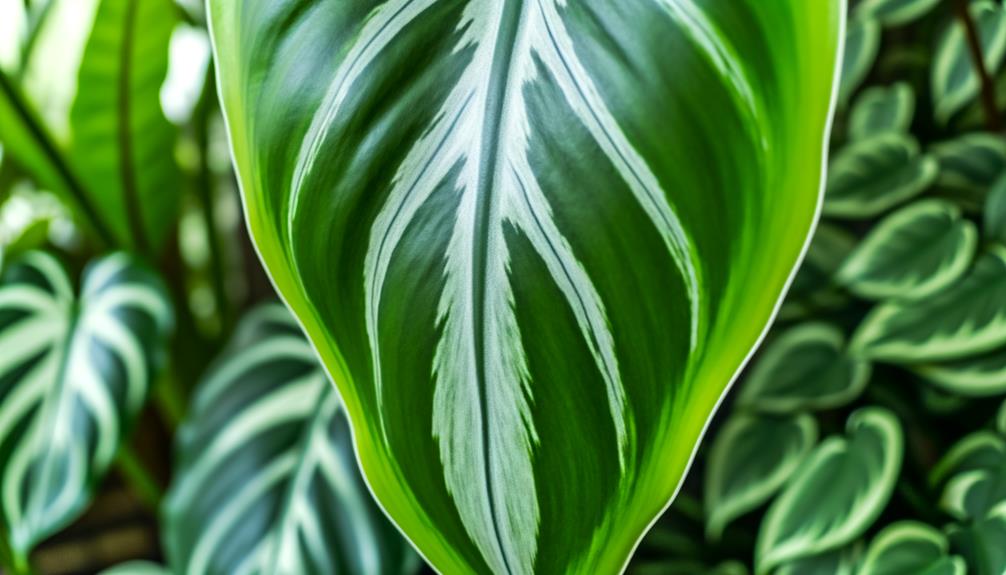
{"x":266,"y":480}
{"x":74,"y":373}
{"x":122,"y":145}
{"x":523,"y":244}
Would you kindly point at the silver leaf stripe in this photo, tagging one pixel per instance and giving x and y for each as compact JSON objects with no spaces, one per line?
{"x":216,"y":440}
{"x":482,"y":131}
{"x":61,"y":416}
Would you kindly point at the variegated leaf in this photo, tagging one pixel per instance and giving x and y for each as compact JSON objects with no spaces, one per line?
{"x":974,"y":494}
{"x":266,"y":480}
{"x":74,"y":373}
{"x":965,"y":319}
{"x":979,"y":376}
{"x":971,"y":162}
{"x":981,"y":543}
{"x":862,"y":43}
{"x":911,"y":548}
{"x":913,"y":253}
{"x":955,"y":82}
{"x":523,"y":235}
{"x":882,"y":109}
{"x":979,"y":451}
{"x":895,"y":12}
{"x":858,"y":473}
{"x":838,"y":562}
{"x":750,"y":459}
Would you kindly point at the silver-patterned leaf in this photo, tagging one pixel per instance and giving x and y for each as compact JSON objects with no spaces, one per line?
{"x":74,"y":373}
{"x":970,"y":164}
{"x":910,"y":548}
{"x":266,"y":480}
{"x":882,"y":109}
{"x":979,"y":376}
{"x":858,"y":472}
{"x":913,"y":253}
{"x":955,"y":82}
{"x":869,"y":177}
{"x":805,"y":368}
{"x":968,"y":318}
{"x":750,"y":459}
{"x":982,"y":450}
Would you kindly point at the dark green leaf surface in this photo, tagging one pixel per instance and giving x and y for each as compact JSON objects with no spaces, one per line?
{"x":955,"y":82}
{"x":122,"y":145}
{"x":839,"y":562}
{"x":895,"y":12}
{"x":910,"y":548}
{"x":882,"y":109}
{"x":523,"y":238}
{"x":805,"y":368}
{"x":982,"y":450}
{"x":981,"y":544}
{"x":979,"y":376}
{"x":266,"y":478}
{"x":857,"y":472}
{"x":965,"y":319}
{"x":74,"y":373}
{"x":869,"y":177}
{"x":971,"y":163}
{"x":913,"y":253}
{"x":862,"y":43}
{"x":750,"y":459}
{"x":995,"y":211}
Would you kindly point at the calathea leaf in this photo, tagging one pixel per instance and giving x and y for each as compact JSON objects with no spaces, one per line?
{"x":981,"y":543}
{"x":912,"y":253}
{"x":266,"y":479}
{"x":979,"y":451}
{"x":955,"y":81}
{"x":121,"y":141}
{"x":523,"y":236}
{"x":838,"y":562}
{"x":895,"y":12}
{"x":965,"y":319}
{"x":882,"y":109}
{"x":971,"y":163}
{"x":979,"y":376}
{"x":751,"y":458}
{"x":869,"y":177}
{"x":858,"y":473}
{"x":910,"y":548}
{"x":74,"y":373}
{"x":806,"y":367}
{"x":862,"y":43}
{"x":974,"y":494}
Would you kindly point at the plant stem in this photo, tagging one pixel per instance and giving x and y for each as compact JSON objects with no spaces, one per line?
{"x":11,"y":560}
{"x":139,"y":479}
{"x":988,"y":93}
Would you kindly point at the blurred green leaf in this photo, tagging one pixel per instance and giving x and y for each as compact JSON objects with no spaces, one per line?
{"x":973,"y":494}
{"x":913,"y":253}
{"x":971,"y":163}
{"x":838,"y":562}
{"x":806,"y":367}
{"x":869,"y":177}
{"x":978,"y":451}
{"x":74,"y":373}
{"x":862,"y":43}
{"x":981,"y":544}
{"x":751,"y":457}
{"x":910,"y":548}
{"x":895,"y":12}
{"x":266,"y":477}
{"x":858,"y":474}
{"x":979,"y":376}
{"x":955,"y":82}
{"x":965,"y":319}
{"x":882,"y":109}
{"x":137,"y":568}
{"x":995,"y":211}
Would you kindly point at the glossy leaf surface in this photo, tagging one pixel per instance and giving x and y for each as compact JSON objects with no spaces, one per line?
{"x":522,"y":236}
{"x":74,"y":373}
{"x":858,"y":472}
{"x":266,"y":478}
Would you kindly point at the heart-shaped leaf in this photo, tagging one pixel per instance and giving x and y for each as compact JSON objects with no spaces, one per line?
{"x":895,"y":12}
{"x":751,"y":458}
{"x":980,"y":376}
{"x":882,"y":109}
{"x":912,"y":253}
{"x":862,"y":43}
{"x":974,"y":494}
{"x":979,"y":451}
{"x":965,"y":319}
{"x":523,"y":237}
{"x":981,"y":544}
{"x":266,"y":480}
{"x":805,"y":368}
{"x":121,"y":142}
{"x":74,"y":373}
{"x":910,"y":548}
{"x":871,"y":176}
{"x":955,"y":81}
{"x":858,"y":473}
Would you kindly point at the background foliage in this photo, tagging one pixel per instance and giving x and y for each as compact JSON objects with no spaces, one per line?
{"x":868,"y":435}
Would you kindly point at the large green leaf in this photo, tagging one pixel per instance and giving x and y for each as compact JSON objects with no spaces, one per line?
{"x":122,"y":144}
{"x":531,"y":241}
{"x":965,"y":319}
{"x":857,"y":473}
{"x":266,"y":479}
{"x":805,"y":368}
{"x":751,"y":458}
{"x":869,"y":177}
{"x":955,"y":81}
{"x":74,"y":373}
{"x":913,"y":253}
{"x":910,"y":548}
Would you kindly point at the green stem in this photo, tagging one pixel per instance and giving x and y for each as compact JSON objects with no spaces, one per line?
{"x":69,"y":179}
{"x":139,"y":479}
{"x":988,"y":92}
{"x":12,"y":561}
